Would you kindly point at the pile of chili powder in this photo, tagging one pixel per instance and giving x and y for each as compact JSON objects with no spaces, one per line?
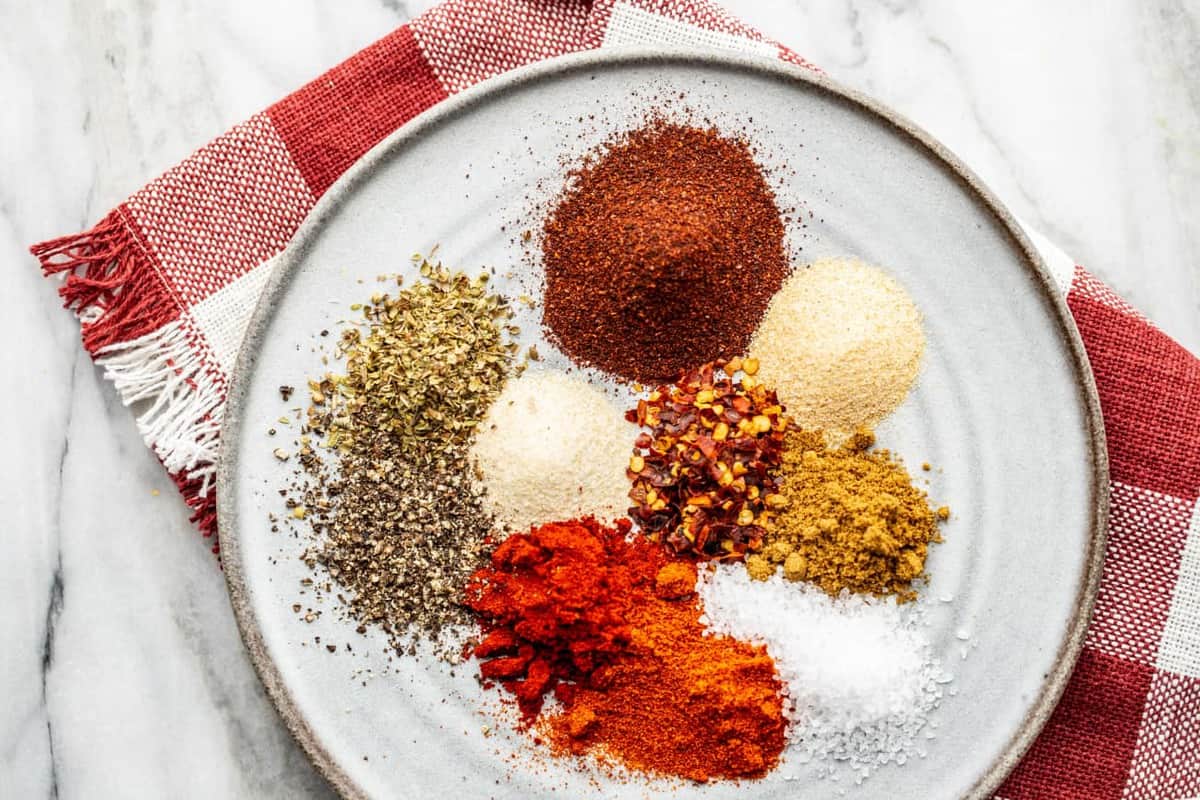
{"x":662,"y":253}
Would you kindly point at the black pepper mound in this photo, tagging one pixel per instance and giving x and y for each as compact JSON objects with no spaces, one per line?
{"x":405,"y":536}
{"x":662,"y":253}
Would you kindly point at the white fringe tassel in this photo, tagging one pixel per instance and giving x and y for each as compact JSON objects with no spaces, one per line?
{"x":182,"y":421}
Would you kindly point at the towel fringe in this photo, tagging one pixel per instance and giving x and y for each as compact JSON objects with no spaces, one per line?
{"x":178,"y":411}
{"x":138,"y":332}
{"x":203,"y":506}
{"x":108,"y":281}
{"x":180,"y":406}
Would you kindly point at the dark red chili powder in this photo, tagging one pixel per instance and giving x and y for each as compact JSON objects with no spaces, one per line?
{"x":662,"y":253}
{"x":612,"y":627}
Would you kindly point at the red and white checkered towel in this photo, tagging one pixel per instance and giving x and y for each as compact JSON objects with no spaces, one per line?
{"x":165,"y":284}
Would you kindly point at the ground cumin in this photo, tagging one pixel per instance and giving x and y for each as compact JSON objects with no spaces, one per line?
{"x":853,"y":519}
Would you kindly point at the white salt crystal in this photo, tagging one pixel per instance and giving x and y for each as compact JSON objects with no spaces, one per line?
{"x":860,"y":677}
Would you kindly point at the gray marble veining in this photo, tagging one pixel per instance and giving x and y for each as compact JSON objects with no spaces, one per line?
{"x":121,"y":666}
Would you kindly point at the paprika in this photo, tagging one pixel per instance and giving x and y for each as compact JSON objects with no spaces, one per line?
{"x":612,"y":627}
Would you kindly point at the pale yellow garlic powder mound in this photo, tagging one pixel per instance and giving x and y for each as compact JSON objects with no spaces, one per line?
{"x":841,"y":342}
{"x":552,"y":447}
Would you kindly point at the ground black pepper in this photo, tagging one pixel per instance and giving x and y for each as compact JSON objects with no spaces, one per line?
{"x":662,"y":253}
{"x":403,"y":537}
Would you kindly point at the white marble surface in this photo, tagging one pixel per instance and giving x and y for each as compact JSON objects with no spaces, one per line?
{"x":120,"y":665}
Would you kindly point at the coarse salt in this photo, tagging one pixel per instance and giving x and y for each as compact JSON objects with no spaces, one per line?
{"x":860,"y":677}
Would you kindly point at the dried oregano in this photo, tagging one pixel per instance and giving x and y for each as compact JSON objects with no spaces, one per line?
{"x":427,"y":362}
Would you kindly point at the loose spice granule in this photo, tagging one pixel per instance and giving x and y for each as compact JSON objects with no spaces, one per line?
{"x":662,"y":253}
{"x":851,"y":519}
{"x":612,"y":627}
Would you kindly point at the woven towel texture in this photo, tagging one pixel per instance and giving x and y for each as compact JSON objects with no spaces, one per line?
{"x":164,"y":286}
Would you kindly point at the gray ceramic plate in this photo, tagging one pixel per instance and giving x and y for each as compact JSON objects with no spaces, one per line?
{"x":1004,"y":407}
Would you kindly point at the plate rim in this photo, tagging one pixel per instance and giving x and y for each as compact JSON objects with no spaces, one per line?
{"x":1053,"y":684}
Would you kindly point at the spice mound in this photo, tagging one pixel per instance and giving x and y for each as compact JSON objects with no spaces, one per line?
{"x":662,"y":253}
{"x":552,"y":445}
{"x":861,"y":676}
{"x":851,"y":519}
{"x":702,"y":473}
{"x":842,"y":343}
{"x":611,"y":626}
{"x":429,"y":365}
{"x":395,"y":518}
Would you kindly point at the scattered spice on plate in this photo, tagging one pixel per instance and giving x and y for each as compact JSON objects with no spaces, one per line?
{"x":662,"y":253}
{"x":610,"y":625}
{"x":842,"y":344}
{"x":849,"y":518}
{"x":552,"y":446}
{"x":861,"y":677}
{"x":703,"y":471}
{"x":396,"y":518}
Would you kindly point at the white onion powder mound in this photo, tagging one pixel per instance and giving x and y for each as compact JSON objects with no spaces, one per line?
{"x":841,"y":343}
{"x":860,"y":676}
{"x":553,"y":447}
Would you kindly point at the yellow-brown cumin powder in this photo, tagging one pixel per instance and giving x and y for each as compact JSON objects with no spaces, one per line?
{"x":850,"y":518}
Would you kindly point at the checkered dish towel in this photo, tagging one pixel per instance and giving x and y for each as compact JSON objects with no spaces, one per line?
{"x":164,"y":286}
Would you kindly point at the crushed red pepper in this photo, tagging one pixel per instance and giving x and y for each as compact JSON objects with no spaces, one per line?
{"x":703,"y":474}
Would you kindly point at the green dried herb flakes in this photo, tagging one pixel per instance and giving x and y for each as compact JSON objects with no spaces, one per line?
{"x":430,"y":360}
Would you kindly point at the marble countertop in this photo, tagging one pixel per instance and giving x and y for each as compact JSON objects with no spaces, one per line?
{"x":121,"y":665}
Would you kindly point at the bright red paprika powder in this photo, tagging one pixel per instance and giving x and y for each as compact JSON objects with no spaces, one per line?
{"x":612,"y":627}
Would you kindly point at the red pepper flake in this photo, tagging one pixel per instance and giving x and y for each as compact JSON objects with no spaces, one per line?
{"x":703,"y":476}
